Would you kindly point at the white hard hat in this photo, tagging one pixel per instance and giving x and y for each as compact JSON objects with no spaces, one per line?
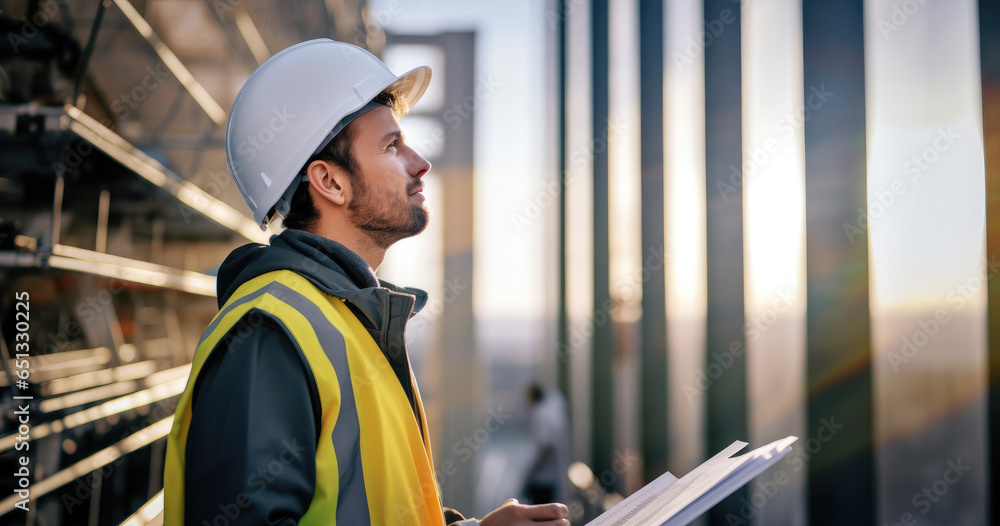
{"x":290,"y":108}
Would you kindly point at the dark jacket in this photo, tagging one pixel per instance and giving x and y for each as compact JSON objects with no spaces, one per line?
{"x":256,"y":397}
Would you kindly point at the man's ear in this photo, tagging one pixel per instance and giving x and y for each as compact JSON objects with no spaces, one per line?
{"x":329,"y":181}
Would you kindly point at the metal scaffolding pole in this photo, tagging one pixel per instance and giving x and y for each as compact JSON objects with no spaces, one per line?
{"x":654,"y":415}
{"x":838,"y":362}
{"x":989,"y":56}
{"x":562,"y":358}
{"x":725,"y":348}
{"x":601,"y":380}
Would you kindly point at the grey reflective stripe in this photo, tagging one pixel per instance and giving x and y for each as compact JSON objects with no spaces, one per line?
{"x":222,"y":314}
{"x":352,"y":501}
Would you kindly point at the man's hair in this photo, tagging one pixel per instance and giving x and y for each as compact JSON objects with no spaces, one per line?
{"x":302,"y":213}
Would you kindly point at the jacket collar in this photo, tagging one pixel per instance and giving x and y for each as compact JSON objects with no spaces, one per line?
{"x":339,"y":272}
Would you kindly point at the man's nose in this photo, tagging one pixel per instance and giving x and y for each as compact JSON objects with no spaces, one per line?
{"x":420,"y":166}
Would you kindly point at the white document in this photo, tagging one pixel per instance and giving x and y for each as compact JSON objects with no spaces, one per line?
{"x":669,"y":501}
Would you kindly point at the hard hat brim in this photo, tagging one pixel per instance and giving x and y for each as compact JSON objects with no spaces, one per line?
{"x":411,"y":86}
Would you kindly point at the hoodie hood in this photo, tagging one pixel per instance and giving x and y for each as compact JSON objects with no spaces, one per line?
{"x":332,"y":267}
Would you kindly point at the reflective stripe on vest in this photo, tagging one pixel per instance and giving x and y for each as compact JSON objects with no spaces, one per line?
{"x":372,"y":464}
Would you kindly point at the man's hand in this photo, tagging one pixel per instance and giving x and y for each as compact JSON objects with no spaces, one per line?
{"x":514,"y":514}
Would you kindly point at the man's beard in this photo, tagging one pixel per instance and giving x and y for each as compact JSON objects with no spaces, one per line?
{"x":385,"y":221}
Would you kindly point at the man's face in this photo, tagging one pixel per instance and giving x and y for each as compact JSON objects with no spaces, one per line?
{"x":385,"y":193}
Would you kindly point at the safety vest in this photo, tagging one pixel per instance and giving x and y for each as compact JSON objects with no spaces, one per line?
{"x":373,"y":465}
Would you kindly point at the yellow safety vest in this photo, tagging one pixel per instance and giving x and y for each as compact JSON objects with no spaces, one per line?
{"x":372,"y":464}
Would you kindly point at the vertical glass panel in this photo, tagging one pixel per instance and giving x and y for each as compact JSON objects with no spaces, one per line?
{"x":624,"y":225}
{"x":926,"y":219}
{"x":774,"y":112}
{"x":684,"y":167}
{"x":580,"y":144}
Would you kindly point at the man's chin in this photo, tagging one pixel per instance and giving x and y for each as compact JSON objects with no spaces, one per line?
{"x":421,"y":217}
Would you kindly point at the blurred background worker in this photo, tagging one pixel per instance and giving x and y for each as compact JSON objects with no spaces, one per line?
{"x":548,"y":425}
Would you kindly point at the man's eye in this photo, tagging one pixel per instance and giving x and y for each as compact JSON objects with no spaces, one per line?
{"x":392,"y":144}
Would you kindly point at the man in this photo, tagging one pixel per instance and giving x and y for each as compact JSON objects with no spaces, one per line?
{"x":301,"y":407}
